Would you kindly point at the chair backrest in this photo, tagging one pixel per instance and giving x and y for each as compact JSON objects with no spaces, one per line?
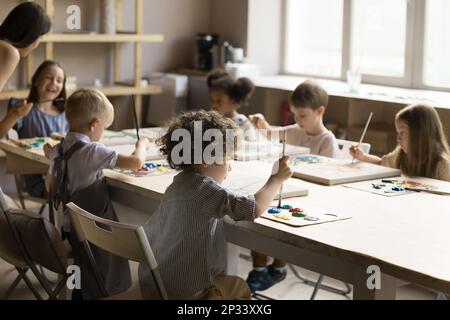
{"x":9,"y":250}
{"x":26,"y":237}
{"x":121,"y":239}
{"x":344,"y":148}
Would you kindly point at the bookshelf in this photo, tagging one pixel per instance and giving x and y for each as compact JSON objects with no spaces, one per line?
{"x":119,"y":89}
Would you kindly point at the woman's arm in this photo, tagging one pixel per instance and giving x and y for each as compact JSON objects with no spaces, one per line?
{"x":9,"y":59}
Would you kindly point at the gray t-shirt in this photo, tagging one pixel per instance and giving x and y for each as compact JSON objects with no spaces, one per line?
{"x":187,"y":237}
{"x":86,"y":165}
{"x":323,"y":145}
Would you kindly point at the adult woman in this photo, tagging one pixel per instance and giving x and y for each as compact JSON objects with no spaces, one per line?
{"x":20,"y":33}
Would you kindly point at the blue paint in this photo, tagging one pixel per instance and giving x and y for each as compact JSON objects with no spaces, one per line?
{"x":274,"y":211}
{"x":398,"y":189}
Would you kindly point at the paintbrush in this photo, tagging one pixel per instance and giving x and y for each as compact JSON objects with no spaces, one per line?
{"x":136,"y":123}
{"x":363,"y":134}
{"x":280,"y":196}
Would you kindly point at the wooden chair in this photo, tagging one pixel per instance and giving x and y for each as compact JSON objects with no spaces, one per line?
{"x":123,"y":240}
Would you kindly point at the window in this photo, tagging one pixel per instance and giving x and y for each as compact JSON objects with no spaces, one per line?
{"x":379,"y":37}
{"x":437,"y":44}
{"x":389,"y":42}
{"x":314,"y":48}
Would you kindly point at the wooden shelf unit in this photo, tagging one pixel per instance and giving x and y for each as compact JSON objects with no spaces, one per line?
{"x":110,"y":91}
{"x":100,"y":38}
{"x":118,"y":39}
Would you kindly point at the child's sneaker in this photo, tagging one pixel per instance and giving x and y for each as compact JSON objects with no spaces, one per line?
{"x":277,"y":274}
{"x":260,"y":280}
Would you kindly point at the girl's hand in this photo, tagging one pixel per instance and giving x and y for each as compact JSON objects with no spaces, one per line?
{"x":48,"y":148}
{"x":24,"y":109}
{"x":258,"y":120}
{"x":357,"y":153}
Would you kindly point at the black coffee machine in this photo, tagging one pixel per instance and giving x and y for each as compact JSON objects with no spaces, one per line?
{"x":207,"y":50}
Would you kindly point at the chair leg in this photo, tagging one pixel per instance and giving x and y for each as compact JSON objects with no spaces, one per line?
{"x":316,"y":287}
{"x":42,"y":208}
{"x":12,"y":287}
{"x":259,"y":296}
{"x":29,"y":284}
{"x":19,"y":191}
{"x":342,"y":292}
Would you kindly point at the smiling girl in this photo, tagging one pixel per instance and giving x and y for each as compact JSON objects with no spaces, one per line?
{"x":44,"y":116}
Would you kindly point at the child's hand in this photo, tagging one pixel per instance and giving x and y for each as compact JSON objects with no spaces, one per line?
{"x":143,"y":143}
{"x":24,"y":109}
{"x":357,"y":153}
{"x":281,"y":170}
{"x":48,"y":148}
{"x":258,"y":120}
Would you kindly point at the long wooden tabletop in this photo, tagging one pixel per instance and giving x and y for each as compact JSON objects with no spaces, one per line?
{"x":406,"y":236}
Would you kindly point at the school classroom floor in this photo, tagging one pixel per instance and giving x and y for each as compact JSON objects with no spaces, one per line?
{"x":289,"y":289}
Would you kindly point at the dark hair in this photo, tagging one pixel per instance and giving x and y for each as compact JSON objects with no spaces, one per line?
{"x":209,"y":120}
{"x":427,"y":142}
{"x":239,"y":90}
{"x":309,"y":95}
{"x":24,"y":24}
{"x":60,"y":100}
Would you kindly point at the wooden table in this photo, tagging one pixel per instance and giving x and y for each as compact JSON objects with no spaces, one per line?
{"x":407,"y":236}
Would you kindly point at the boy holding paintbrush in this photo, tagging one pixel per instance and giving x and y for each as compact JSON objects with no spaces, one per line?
{"x":76,"y":175}
{"x":308,"y":104}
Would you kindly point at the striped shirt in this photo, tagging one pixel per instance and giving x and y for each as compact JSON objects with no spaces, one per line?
{"x":187,"y":236}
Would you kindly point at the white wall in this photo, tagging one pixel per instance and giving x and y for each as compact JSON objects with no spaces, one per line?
{"x":229,"y":19}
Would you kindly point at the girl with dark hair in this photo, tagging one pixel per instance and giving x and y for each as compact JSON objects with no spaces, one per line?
{"x":228,"y":95}
{"x":48,"y":94}
{"x":20,"y":33}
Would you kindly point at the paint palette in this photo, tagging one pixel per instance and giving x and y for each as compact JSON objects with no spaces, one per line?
{"x":149,"y":169}
{"x":34,"y":143}
{"x":302,"y":217}
{"x":398,"y":187}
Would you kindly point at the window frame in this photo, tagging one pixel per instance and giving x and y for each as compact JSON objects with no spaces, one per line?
{"x":414,"y":49}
